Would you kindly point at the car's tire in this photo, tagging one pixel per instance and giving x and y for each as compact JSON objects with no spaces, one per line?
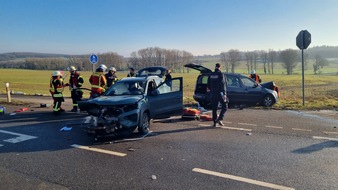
{"x":268,"y":101}
{"x":144,"y":125}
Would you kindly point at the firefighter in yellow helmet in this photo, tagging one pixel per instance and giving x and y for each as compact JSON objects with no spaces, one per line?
{"x":56,"y":89}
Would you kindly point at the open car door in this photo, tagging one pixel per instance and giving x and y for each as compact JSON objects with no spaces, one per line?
{"x":166,"y":101}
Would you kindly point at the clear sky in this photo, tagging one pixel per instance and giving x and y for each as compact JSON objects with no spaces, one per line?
{"x":197,"y":26}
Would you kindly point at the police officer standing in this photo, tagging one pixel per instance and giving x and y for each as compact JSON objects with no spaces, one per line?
{"x":217,"y":87}
{"x":131,"y":72}
{"x":75,"y":83}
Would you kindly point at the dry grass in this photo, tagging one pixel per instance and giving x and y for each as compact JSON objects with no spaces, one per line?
{"x":321,"y":91}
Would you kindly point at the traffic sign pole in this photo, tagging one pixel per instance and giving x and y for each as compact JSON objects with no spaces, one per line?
{"x":303,"y":41}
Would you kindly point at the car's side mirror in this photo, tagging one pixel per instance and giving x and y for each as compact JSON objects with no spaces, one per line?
{"x":255,"y":85}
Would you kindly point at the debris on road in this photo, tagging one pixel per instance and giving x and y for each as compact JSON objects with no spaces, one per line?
{"x":65,"y":128}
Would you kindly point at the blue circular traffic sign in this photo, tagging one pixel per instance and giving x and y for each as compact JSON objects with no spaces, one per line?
{"x":94,"y":58}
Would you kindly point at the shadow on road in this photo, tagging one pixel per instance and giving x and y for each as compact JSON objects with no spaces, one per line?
{"x":316,"y":147}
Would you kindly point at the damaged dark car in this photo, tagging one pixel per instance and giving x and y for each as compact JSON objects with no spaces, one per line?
{"x":241,"y":90}
{"x":132,"y":102}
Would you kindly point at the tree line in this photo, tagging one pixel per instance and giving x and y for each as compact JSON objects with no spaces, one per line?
{"x":152,"y":56}
{"x":173,"y":59}
{"x":289,"y":59}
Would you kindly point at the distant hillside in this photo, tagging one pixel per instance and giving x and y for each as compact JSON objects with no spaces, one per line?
{"x":23,"y":55}
{"x":325,"y":51}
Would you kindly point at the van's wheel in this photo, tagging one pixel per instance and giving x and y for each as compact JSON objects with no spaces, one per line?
{"x":268,"y":101}
{"x":143,"y":128}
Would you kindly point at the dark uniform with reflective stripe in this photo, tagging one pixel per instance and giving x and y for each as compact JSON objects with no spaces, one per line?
{"x":217,"y":87}
{"x":76,"y":82}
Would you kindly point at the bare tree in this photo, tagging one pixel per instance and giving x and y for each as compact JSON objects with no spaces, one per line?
{"x":319,"y":63}
{"x":225,"y":61}
{"x":289,"y":59}
{"x":173,"y":59}
{"x":249,"y":60}
{"x":264,"y":57}
{"x":272,"y":56}
{"x":234,"y":58}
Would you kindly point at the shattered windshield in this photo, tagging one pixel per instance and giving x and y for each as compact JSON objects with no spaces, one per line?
{"x":126,"y":88}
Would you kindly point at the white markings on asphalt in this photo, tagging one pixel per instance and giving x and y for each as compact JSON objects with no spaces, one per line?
{"x":249,"y":124}
{"x":325,"y":138}
{"x":98,"y":150}
{"x":20,"y":138}
{"x":328,"y":132}
{"x":87,"y":119}
{"x":299,"y":129}
{"x":235,"y":128}
{"x":242,"y":179}
{"x":274,"y":127}
{"x":224,"y":127}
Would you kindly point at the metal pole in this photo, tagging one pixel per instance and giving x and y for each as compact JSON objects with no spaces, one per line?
{"x":8,"y":93}
{"x":303,"y":75}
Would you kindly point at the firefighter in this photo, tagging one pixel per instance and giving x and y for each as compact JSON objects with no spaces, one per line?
{"x":217,"y":88}
{"x":253,"y":75}
{"x":131,"y":72}
{"x":56,"y":89}
{"x":75,"y":84}
{"x":111,"y":76}
{"x":98,"y":82}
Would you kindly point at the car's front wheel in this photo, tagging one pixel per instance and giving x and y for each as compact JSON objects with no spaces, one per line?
{"x":268,"y":101}
{"x":143,"y":128}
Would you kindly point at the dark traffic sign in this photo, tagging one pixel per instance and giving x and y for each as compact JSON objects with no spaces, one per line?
{"x":303,"y":39}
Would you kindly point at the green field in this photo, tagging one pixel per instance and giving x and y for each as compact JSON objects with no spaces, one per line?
{"x":321,"y":91}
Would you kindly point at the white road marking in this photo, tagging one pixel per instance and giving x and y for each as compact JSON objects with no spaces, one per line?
{"x":87,"y":119}
{"x":98,"y":150}
{"x":299,"y":129}
{"x":328,"y":132}
{"x":203,"y":125}
{"x":242,"y":179}
{"x":224,"y":127}
{"x":250,"y":124}
{"x":325,"y":138}
{"x":275,"y":127}
{"x":20,"y":138}
{"x":235,"y":128}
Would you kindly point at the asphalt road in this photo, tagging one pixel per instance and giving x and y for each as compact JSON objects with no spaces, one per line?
{"x":256,"y":149}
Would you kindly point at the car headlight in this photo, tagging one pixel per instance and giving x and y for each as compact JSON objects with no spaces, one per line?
{"x":130,"y":107}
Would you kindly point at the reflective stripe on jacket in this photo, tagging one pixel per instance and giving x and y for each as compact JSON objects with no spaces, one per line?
{"x":56,"y":87}
{"x":98,"y":82}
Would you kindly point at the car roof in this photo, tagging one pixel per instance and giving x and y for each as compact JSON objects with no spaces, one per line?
{"x":139,"y":78}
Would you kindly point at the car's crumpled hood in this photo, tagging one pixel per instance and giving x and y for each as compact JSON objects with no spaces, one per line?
{"x":113,"y":100}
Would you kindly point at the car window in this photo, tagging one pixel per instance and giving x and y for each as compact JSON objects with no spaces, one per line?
{"x":164,"y":88}
{"x":203,"y":80}
{"x":126,"y":88}
{"x":247,"y":82}
{"x":233,"y":81}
